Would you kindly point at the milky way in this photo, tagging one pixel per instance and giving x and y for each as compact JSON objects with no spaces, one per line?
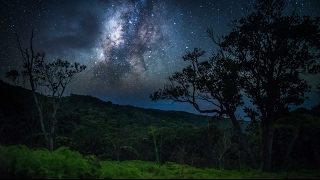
{"x":130,"y":47}
{"x":134,"y":39}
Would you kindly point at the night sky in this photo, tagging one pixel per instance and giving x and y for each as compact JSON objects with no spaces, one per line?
{"x":130,"y":47}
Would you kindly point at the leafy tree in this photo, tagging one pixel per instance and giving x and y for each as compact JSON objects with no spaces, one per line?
{"x":264,"y":56}
{"x":214,"y":81}
{"x":273,"y":51}
{"x":53,"y":77}
{"x":13,"y":76}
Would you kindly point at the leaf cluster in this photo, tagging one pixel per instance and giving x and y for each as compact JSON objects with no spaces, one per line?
{"x":21,"y":162}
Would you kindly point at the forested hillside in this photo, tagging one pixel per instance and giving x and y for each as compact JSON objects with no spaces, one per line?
{"x":116,"y":132}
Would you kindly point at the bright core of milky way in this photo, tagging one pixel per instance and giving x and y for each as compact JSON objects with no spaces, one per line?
{"x":131,"y":52}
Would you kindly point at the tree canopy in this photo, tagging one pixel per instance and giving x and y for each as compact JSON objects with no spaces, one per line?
{"x":263,"y":58}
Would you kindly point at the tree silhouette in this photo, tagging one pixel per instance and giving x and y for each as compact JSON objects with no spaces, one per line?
{"x":53,"y":77}
{"x":214,"y":81}
{"x":13,"y":76}
{"x":263,"y":56}
{"x":273,"y":51}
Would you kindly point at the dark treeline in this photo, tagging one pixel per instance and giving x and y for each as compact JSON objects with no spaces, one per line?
{"x":114,"y":132}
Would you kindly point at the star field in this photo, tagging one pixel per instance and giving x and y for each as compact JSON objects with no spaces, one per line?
{"x":129,"y":47}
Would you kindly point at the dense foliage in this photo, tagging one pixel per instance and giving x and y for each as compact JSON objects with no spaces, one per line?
{"x":63,"y":163}
{"x":119,"y":133}
{"x":263,"y":57}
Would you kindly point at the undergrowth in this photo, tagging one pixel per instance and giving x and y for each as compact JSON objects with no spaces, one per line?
{"x":21,"y":162}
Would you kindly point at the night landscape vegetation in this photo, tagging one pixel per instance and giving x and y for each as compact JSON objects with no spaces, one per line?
{"x":266,"y":64}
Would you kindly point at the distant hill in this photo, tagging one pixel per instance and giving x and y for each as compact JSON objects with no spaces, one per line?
{"x":141,"y":116}
{"x":131,"y":113}
{"x":15,"y":98}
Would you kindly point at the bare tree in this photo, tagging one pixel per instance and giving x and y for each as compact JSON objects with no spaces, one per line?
{"x":53,"y":77}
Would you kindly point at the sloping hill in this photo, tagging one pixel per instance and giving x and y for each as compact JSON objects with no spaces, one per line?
{"x":129,"y":114}
{"x":138,"y":115}
{"x":17,"y":106}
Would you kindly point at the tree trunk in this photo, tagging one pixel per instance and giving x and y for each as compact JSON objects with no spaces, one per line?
{"x":51,"y":137}
{"x":41,"y":119}
{"x":292,"y":142}
{"x":53,"y":123}
{"x":267,"y":141}
{"x":242,"y":141}
{"x":50,"y":143}
{"x":116,"y":151}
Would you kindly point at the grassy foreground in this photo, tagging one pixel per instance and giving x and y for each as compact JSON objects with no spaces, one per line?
{"x":21,"y":162}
